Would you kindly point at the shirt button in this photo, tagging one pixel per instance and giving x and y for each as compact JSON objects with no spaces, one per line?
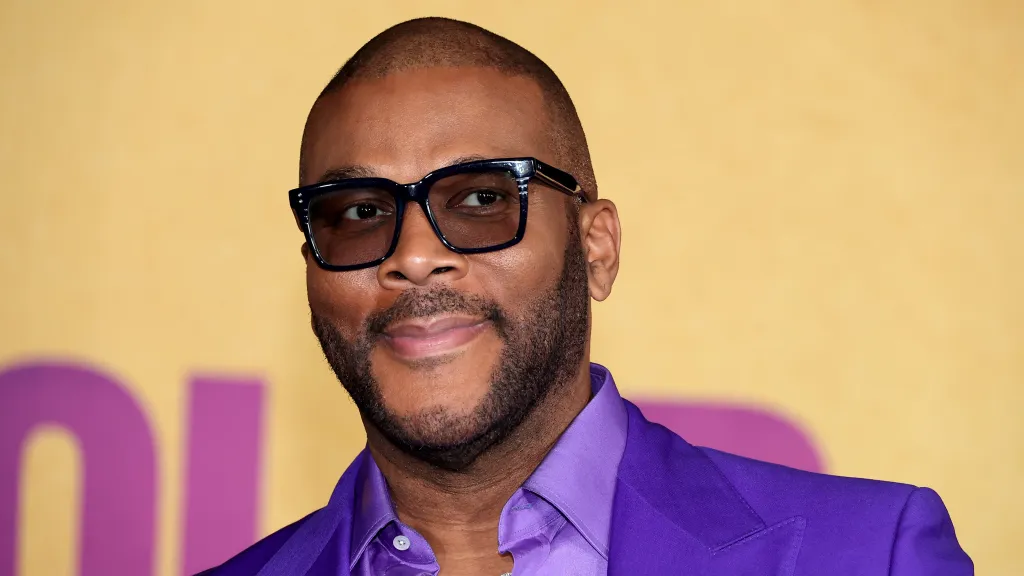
{"x":401,"y":543}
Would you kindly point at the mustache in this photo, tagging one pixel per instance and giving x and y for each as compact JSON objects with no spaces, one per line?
{"x":425,"y":303}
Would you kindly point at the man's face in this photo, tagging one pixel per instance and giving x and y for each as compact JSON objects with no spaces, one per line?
{"x":445,"y":353}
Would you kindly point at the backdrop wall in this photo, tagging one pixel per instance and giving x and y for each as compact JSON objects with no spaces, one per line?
{"x":822,"y":206}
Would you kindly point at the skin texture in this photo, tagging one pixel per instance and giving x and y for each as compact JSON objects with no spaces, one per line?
{"x":403,"y":126}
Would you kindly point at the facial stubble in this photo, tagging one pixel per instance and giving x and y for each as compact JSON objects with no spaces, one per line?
{"x":541,"y":352}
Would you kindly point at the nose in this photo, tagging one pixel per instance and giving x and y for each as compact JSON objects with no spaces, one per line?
{"x":420,"y":258}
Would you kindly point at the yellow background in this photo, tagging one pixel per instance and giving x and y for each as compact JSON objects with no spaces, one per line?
{"x":823,"y":208}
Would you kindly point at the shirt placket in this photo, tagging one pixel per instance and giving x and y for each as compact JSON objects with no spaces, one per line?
{"x":401,"y":551}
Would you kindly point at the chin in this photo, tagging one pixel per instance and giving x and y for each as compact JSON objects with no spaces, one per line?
{"x":430,"y":408}
{"x":440,"y":408}
{"x":440,"y":426}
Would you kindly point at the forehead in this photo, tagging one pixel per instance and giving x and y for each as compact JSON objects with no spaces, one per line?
{"x":408,"y":123}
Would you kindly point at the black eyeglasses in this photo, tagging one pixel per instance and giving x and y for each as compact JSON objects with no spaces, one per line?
{"x":473,"y":207}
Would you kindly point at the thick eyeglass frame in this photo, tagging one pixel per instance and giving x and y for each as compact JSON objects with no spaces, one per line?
{"x":524,"y":169}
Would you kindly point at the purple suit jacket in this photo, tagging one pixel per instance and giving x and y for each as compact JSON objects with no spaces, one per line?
{"x":694,"y":511}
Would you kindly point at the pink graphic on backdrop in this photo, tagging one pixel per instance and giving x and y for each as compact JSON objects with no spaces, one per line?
{"x":119,"y":476}
{"x":747,"y":431}
{"x":222,"y":488}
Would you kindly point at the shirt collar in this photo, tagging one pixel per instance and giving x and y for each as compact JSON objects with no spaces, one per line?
{"x":372,"y":509}
{"x":577,"y":476}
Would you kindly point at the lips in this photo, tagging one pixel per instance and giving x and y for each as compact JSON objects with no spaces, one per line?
{"x":423,"y":338}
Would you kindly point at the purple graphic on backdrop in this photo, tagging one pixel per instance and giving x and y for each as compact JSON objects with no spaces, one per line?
{"x":224,"y":445}
{"x":224,"y":427}
{"x":119,"y":468}
{"x":745,"y":430}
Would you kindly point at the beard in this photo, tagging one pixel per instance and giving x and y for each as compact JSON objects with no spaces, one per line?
{"x":542,"y":349}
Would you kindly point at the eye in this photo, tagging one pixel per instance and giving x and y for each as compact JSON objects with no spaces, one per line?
{"x":481,"y":198}
{"x":362,"y":212}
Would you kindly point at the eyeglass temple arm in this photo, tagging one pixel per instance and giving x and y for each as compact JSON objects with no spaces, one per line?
{"x":560,"y":184}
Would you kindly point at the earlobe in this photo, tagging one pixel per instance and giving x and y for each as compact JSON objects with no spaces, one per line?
{"x":601,"y":235}
{"x":305,"y":251}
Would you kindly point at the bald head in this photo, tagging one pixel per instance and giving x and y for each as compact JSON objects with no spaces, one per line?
{"x":443,"y":43}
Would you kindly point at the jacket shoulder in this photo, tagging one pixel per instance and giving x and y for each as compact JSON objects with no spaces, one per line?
{"x":249,"y":561}
{"x":876,"y":526}
{"x":778,"y":492}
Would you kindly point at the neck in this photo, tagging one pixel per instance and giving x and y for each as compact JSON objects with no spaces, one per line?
{"x":458,"y":512}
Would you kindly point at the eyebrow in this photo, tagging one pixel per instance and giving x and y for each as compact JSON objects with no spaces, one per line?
{"x":345,"y":172}
{"x":360,"y":171}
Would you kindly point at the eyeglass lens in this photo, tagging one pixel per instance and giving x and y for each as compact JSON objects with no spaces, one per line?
{"x":472,"y":210}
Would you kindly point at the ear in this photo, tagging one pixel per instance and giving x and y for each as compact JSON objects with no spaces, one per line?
{"x":601,"y":237}
{"x":305,"y":252}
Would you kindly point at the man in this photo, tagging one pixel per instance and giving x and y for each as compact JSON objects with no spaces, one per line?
{"x":455,"y":310}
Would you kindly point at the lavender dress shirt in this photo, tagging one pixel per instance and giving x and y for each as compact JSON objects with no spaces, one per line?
{"x":558,"y":523}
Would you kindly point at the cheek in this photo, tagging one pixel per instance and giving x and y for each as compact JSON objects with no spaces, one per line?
{"x":517,"y":275}
{"x":344,"y":298}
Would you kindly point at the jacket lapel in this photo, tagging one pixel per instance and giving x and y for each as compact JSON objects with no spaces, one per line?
{"x":675,"y":513}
